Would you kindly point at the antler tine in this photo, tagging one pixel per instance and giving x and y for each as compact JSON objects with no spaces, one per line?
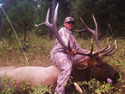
{"x":94,"y":32}
{"x":78,"y":88}
{"x":111,"y":53}
{"x":102,"y":50}
{"x":80,"y":30}
{"x":86,"y":27}
{"x":107,"y":48}
{"x":107,"y":53}
{"x":47,"y":20}
{"x":81,"y":53}
{"x":47,"y":17}
{"x":55,"y":15}
{"x":87,"y":54}
{"x":92,"y":46}
{"x":53,"y":26}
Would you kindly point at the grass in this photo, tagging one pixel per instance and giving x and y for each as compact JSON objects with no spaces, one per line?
{"x":38,"y":54}
{"x":38,"y":51}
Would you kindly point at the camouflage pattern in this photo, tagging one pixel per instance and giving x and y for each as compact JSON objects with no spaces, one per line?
{"x":68,"y":19}
{"x":63,"y":60}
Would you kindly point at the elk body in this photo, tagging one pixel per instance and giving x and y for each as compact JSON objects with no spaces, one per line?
{"x":84,"y":71}
{"x":30,"y":74}
{"x":93,"y":67}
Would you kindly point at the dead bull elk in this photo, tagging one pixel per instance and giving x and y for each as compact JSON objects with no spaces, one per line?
{"x":93,"y":67}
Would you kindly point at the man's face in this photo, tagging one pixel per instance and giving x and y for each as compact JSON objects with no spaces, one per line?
{"x":69,"y":25}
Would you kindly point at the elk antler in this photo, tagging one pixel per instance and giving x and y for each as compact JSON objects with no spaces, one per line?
{"x":78,"y":88}
{"x":95,"y":53}
{"x":53,"y":27}
{"x":107,"y":51}
{"x":110,"y":52}
{"x":94,"y":32}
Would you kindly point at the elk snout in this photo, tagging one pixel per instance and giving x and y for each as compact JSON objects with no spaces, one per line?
{"x":116,"y":76}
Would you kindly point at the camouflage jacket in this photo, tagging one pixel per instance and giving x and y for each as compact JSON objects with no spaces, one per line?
{"x":66,"y":34}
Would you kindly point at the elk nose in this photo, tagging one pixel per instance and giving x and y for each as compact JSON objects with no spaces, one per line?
{"x":117,"y":75}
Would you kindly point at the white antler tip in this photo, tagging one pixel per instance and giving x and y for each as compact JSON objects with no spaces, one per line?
{"x":78,"y":88}
{"x":109,"y":46}
{"x":36,"y":25}
{"x":116,"y":46}
{"x":115,"y":41}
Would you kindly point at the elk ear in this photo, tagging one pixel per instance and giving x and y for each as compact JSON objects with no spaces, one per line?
{"x":81,"y":66}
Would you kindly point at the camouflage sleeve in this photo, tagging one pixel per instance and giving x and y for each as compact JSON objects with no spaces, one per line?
{"x":64,"y":35}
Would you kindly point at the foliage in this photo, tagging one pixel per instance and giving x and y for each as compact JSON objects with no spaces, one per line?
{"x":7,"y":89}
{"x":110,"y":15}
{"x":21,"y":15}
{"x":112,"y":12}
{"x":24,"y":88}
{"x":40,"y":17}
{"x":24,"y":14}
{"x":64,"y":11}
{"x":39,"y":89}
{"x":106,"y":12}
{"x":99,"y":88}
{"x":37,"y":50}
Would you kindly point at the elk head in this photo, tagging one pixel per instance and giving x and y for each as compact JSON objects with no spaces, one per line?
{"x":95,"y":66}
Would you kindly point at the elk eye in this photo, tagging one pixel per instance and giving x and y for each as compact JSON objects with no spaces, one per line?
{"x":97,"y":66}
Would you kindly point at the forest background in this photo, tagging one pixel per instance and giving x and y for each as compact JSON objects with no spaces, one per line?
{"x":37,"y":42}
{"x":110,"y":15}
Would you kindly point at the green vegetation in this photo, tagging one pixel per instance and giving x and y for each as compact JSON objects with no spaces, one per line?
{"x":25,"y":15}
{"x":37,"y":50}
{"x":38,"y":54}
{"x":23,"y":88}
{"x":105,"y":11}
{"x":7,"y":89}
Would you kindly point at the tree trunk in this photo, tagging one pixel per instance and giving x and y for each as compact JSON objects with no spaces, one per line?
{"x":52,"y":16}
{"x":1,"y":26}
{"x":24,"y":34}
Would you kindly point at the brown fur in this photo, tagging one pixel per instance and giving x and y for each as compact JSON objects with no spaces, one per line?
{"x":94,"y":67}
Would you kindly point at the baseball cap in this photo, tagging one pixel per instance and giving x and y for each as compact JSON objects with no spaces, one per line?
{"x":69,"y":19}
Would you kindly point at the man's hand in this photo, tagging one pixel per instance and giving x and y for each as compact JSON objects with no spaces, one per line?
{"x":73,"y":52}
